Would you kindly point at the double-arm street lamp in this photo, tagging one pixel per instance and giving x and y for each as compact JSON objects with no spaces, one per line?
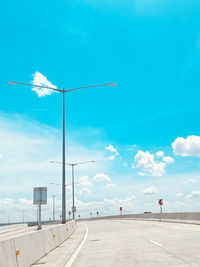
{"x":63,"y":91}
{"x":72,"y":165}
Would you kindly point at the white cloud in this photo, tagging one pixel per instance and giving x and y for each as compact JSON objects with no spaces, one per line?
{"x":69,"y":188}
{"x":189,"y":181}
{"x":84,"y":190}
{"x":99,"y":177}
{"x":189,"y":146}
{"x":168,"y":159}
{"x":112,"y":150}
{"x":141,"y":174}
{"x":40,"y":79}
{"x":1,"y":156}
{"x":110,"y":185}
{"x":150,"y":190}
{"x":83,"y":180}
{"x":147,"y":165}
{"x":132,"y":147}
{"x":106,"y":206}
{"x":195,"y":193}
{"x":28,"y":146}
{"x":178,"y":205}
{"x":179,"y":194}
{"x":160,"y":154}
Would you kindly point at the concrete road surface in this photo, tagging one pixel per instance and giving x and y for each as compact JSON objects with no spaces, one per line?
{"x":131,"y":243}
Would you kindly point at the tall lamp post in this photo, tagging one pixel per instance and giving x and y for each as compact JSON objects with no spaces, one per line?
{"x":72,"y":165}
{"x":63,"y":91}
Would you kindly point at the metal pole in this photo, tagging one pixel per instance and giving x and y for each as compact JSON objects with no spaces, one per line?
{"x":53,"y":207}
{"x":37,"y":213}
{"x":160,"y":212}
{"x":63,"y":165}
{"x":73,"y":208}
{"x":39,"y":220}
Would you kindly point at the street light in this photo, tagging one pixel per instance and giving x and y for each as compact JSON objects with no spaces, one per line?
{"x":63,"y":91}
{"x":72,"y":165}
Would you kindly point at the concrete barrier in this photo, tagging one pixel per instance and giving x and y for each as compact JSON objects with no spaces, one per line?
{"x":23,"y":250}
{"x":182,"y":216}
{"x":29,"y":248}
{"x":12,"y":227}
{"x":53,"y":237}
{"x":8,"y":253}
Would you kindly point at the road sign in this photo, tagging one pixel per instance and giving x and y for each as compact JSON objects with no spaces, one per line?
{"x":160,"y":202}
{"x":120,"y":210}
{"x":73,"y":209}
{"x":40,"y":196}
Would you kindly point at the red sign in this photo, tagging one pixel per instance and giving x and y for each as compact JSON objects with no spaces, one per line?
{"x":120,"y":208}
{"x":160,"y":202}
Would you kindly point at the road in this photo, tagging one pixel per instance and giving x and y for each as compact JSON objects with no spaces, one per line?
{"x":131,"y":243}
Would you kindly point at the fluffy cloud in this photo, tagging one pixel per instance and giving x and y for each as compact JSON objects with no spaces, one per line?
{"x":106,"y":206}
{"x":132,"y":147}
{"x":195,"y":193}
{"x":189,"y":146}
{"x":150,"y":190}
{"x":179,"y":194}
{"x":189,"y":181}
{"x":168,"y":159}
{"x":160,"y":154}
{"x":85,"y":181}
{"x":147,"y":164}
{"x":84,"y":190}
{"x":100,"y":177}
{"x":14,"y":208}
{"x":40,"y":79}
{"x":110,"y":185}
{"x":28,"y":146}
{"x":112,"y":150}
{"x":112,"y":157}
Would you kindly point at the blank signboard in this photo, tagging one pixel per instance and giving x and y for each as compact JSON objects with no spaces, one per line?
{"x":40,"y":195}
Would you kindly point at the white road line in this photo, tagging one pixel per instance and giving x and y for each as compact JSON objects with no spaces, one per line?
{"x":155,"y":243}
{"x":75,"y":254}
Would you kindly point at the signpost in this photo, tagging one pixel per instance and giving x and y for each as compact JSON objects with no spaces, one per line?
{"x":160,"y":203}
{"x":120,"y":210}
{"x":73,"y":209}
{"x":69,"y":213}
{"x":39,"y":198}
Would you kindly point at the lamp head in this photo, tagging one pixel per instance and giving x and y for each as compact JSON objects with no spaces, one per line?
{"x":12,"y":83}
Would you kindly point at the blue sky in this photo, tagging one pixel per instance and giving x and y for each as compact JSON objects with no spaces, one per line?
{"x":151,"y":49}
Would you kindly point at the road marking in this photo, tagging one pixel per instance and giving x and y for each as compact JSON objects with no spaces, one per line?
{"x":155,"y":243}
{"x":75,"y":254}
